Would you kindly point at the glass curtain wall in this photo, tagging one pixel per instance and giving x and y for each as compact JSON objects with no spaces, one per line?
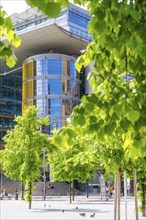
{"x":55,"y":87}
{"x":78,"y":22}
{"x":10,"y":102}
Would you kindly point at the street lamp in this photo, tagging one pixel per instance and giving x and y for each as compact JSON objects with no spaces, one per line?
{"x":1,"y":179}
{"x":44,"y":171}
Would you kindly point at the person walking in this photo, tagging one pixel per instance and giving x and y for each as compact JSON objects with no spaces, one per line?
{"x":111,"y":191}
{"x":3,"y":191}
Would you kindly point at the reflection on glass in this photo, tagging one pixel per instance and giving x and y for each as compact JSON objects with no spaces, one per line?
{"x":55,"y":87}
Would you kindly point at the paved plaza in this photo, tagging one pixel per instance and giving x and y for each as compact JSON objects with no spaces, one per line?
{"x":60,"y":208}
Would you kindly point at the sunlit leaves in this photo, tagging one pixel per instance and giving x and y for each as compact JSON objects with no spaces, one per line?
{"x":7,"y":31}
{"x":16,"y":41}
{"x":118,"y":47}
{"x":83,"y":60}
{"x":50,"y":8}
{"x":11,"y":61}
{"x":74,"y":158}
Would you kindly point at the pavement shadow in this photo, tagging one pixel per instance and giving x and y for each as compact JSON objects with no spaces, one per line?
{"x":68,"y":210}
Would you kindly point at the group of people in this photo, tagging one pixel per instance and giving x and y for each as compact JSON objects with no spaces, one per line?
{"x":51,"y":186}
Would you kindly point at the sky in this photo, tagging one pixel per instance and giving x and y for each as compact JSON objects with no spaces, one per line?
{"x":13,"y":6}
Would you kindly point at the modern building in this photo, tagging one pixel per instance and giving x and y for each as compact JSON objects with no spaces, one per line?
{"x":10,"y":102}
{"x":51,"y":83}
{"x":46,"y":66}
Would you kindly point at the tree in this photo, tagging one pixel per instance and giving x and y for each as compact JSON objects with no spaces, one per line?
{"x":70,"y":162}
{"x":22,"y":156}
{"x":118,"y":47}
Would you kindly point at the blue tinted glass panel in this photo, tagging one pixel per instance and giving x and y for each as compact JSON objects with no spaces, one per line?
{"x":54,"y":67}
{"x":41,"y":103}
{"x":49,"y":67}
{"x":41,"y":67}
{"x":73,"y":72}
{"x":78,"y":19}
{"x":41,"y":87}
{"x":54,"y":86}
{"x":55,"y":106}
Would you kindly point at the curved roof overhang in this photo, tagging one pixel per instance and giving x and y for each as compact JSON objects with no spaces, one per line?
{"x":41,"y":39}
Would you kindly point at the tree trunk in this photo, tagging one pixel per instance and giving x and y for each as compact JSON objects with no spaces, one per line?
{"x":118,"y":193}
{"x":87,"y":188}
{"x":30,"y":193}
{"x":125,"y":194}
{"x":109,"y":185}
{"x":70,"y":192}
{"x":144,"y":200}
{"x":115,"y":197}
{"x":22,"y":190}
{"x":73,"y":191}
{"x":135,"y":194}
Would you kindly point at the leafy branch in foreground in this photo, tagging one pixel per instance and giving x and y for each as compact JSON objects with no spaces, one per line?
{"x":7,"y":32}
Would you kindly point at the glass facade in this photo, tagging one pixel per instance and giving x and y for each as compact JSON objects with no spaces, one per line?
{"x":39,"y":19}
{"x":50,"y":82}
{"x":74,"y":19}
{"x":78,"y":22}
{"x":10,"y":101}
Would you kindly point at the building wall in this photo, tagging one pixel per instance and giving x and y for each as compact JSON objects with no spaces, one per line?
{"x":78,"y":22}
{"x":10,"y":102}
{"x":74,"y":19}
{"x":50,"y":82}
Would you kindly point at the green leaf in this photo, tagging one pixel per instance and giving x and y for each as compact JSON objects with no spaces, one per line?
{"x":1,"y":45}
{"x":79,"y":120}
{"x":110,"y":128}
{"x":51,"y":9}
{"x":8,"y":23}
{"x":100,"y":26}
{"x":92,"y":128}
{"x":79,"y":63}
{"x":138,"y":143}
{"x":2,"y":14}
{"x":133,"y":116}
{"x":2,"y":21}
{"x":11,"y":61}
{"x":93,"y":119}
{"x":92,"y":98}
{"x":101,"y":135}
{"x":89,"y":107}
{"x":118,"y":109}
{"x":6,"y":51}
{"x":16,"y":41}
{"x":10,"y":35}
{"x":125,"y":124}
